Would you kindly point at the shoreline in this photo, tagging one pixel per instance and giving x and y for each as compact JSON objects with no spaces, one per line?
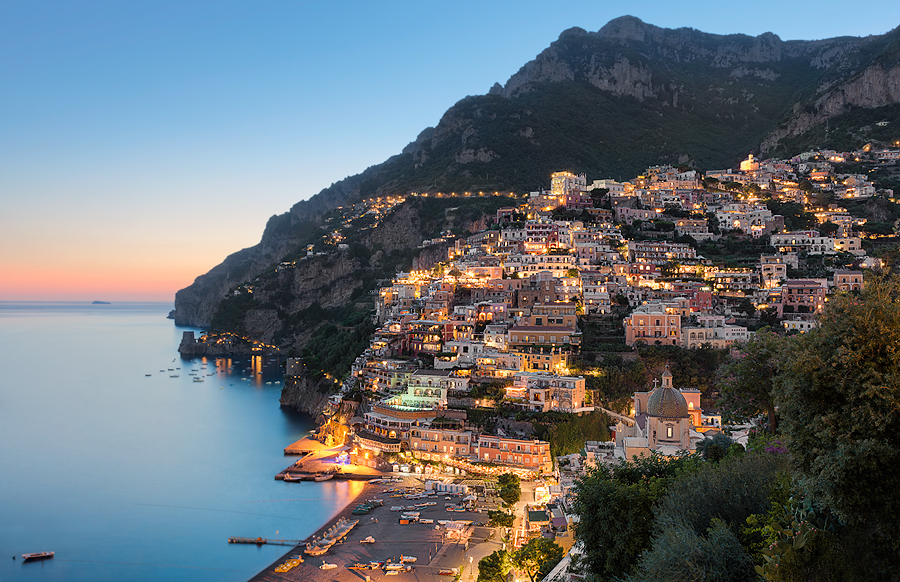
{"x":433,"y":548}
{"x":268,"y":572}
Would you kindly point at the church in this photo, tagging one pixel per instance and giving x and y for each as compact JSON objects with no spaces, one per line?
{"x":665,"y":421}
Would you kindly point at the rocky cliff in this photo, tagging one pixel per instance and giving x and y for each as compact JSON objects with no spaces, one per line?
{"x":311,"y":397}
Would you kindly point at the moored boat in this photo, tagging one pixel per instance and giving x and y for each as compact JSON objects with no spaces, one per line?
{"x":37,"y":556}
{"x":324,"y":477}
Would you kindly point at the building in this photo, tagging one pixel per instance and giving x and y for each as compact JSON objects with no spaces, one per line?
{"x":528,"y":454}
{"x":544,"y":392}
{"x":801,"y":296}
{"x":653,"y":323}
{"x":533,"y":338}
{"x":848,"y":280}
{"x":432,"y":441}
{"x":772,"y":270}
{"x":664,"y":419}
{"x":712,"y":330}
{"x":569,"y":189}
{"x":660,"y":252}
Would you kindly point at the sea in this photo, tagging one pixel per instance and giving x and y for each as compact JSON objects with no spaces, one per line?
{"x":113,"y":457}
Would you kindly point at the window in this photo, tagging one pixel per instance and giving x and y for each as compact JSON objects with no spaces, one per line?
{"x":669,"y":432}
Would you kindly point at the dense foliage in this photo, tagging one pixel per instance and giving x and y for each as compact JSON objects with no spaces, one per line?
{"x":569,"y":436}
{"x":536,"y":558}
{"x":510,"y":488}
{"x":615,"y":508}
{"x":839,"y":400}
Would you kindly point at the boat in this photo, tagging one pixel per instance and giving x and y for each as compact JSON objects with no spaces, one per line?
{"x":368,"y":540}
{"x":292,"y":478}
{"x":447,"y":571}
{"x":289,"y":565}
{"x":407,"y":559}
{"x":326,"y":566}
{"x":426,"y":521}
{"x":317,"y":549}
{"x":324,"y":477}
{"x":199,"y":380}
{"x":37,"y":556}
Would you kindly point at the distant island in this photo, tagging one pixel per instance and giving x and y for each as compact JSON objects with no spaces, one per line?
{"x":100,"y":303}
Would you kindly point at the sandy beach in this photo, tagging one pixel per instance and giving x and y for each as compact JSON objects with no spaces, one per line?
{"x":431,"y":547}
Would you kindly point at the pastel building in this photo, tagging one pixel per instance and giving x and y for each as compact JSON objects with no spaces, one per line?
{"x":664,"y":421}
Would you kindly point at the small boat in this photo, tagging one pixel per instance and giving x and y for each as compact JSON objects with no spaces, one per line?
{"x":324,"y":477}
{"x":199,"y":380}
{"x":37,"y":556}
{"x":447,"y":571}
{"x":426,"y":521}
{"x":392,"y":573}
{"x":407,"y":559}
{"x":326,"y":566}
{"x":368,"y":540}
{"x":147,"y":375}
{"x":292,"y":478}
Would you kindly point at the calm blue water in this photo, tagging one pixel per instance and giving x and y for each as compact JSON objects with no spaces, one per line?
{"x":128,"y":477}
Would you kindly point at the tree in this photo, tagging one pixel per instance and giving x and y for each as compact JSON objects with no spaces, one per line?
{"x":615,"y":508}
{"x":501,"y":518}
{"x":828,"y":228}
{"x":716,"y":448}
{"x":495,"y":567}
{"x":598,"y":196}
{"x":839,"y":395}
{"x":538,"y":556}
{"x":747,"y":307}
{"x":510,"y":488}
{"x":681,"y":554}
{"x":746,"y":381}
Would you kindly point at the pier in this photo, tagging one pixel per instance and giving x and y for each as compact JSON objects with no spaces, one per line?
{"x":262,"y":541}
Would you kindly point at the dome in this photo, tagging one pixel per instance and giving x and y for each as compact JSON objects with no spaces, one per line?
{"x":666,"y":401}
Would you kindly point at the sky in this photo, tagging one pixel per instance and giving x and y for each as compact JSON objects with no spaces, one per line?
{"x":142,"y":142}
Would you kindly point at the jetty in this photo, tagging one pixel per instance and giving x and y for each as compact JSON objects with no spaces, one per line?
{"x":263,"y":541}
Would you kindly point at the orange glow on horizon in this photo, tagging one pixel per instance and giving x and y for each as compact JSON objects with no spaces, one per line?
{"x":59,"y":283}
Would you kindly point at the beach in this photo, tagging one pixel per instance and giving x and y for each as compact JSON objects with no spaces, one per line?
{"x":430,"y":544}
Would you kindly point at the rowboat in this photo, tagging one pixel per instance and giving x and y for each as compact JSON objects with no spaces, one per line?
{"x":37,"y":556}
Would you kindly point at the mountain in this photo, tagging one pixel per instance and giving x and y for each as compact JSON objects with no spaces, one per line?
{"x":606,"y":103}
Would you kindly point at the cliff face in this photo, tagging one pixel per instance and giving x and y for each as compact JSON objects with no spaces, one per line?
{"x":304,"y":395}
{"x":873,"y":87}
{"x":311,"y":398}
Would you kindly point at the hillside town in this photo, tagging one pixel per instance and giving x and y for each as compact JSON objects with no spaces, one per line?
{"x":501,"y":316}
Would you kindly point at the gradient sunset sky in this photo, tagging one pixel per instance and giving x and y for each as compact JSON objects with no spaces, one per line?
{"x":141,"y":142}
